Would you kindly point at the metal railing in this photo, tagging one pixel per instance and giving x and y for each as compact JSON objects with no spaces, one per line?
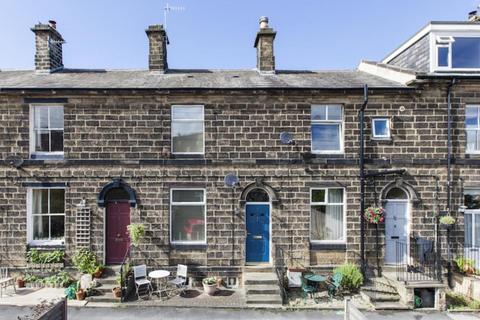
{"x":281,"y":271}
{"x":468,"y":255}
{"x":417,"y":261}
{"x":123,"y":280}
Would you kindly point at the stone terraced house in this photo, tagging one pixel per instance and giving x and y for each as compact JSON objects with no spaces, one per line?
{"x":87,"y":152}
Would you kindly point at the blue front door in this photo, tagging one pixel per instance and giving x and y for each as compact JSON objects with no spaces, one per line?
{"x":258,"y":232}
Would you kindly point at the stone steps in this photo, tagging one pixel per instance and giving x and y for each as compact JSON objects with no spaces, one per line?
{"x":380,"y":297}
{"x":390,"y":306}
{"x":107,"y":283}
{"x":261,"y":287}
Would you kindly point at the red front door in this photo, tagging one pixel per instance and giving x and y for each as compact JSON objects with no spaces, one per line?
{"x":118,"y":218}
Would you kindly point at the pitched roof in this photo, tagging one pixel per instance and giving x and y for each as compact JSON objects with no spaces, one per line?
{"x":191,"y":79}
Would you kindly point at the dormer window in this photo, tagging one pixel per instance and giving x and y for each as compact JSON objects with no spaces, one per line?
{"x":459,"y":53}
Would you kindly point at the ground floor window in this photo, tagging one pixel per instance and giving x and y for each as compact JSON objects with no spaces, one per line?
{"x":47,"y":216}
{"x":187,"y":216}
{"x":472,"y":217}
{"x":327,"y":219}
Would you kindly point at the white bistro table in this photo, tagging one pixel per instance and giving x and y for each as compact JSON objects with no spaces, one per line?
{"x":159,"y":276}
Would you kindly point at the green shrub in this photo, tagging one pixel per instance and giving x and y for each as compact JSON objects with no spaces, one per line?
{"x":464,"y":265}
{"x":85,"y":261}
{"x":352,"y":278}
{"x":136,"y":232}
{"x":459,"y":301}
{"x":34,"y":256}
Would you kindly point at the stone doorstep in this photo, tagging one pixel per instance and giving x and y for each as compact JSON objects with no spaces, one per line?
{"x":262,"y":289}
{"x":254,"y":278}
{"x":373,"y":297}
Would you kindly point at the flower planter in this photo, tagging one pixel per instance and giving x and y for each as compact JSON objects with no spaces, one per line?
{"x":20,"y":283}
{"x":210,"y":289}
{"x":117,"y":292}
{"x":80,"y":294}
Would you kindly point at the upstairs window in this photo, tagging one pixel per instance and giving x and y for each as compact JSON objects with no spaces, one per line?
{"x":46,"y":131}
{"x":462,"y":53}
{"x":472,"y":129}
{"x":327,"y":128}
{"x":381,"y":128}
{"x":46,"y":216}
{"x":187,"y":129}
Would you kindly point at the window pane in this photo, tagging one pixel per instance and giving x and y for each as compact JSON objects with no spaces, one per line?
{"x":319,"y":112}
{"x":443,"y":56}
{"x":42,"y":141}
{"x":187,"y":112}
{"x":396,"y":193}
{"x":468,"y":230}
{"x":40,"y":227}
{"x":335,"y":112}
{"x":39,"y":201}
{"x":188,"y":223}
{"x":380,"y":128}
{"x":471,"y":117}
{"x":335,"y":195}
{"x":466,"y":53}
{"x":326,"y":137}
{"x":187,"y":196}
{"x":57,"y":200}
{"x":318,"y":195}
{"x":472,"y":199}
{"x":41,"y":117}
{"x":257,"y":195}
{"x":57,"y":141}
{"x":56,"y":117}
{"x":57,"y":227}
{"x":471,"y":136}
{"x":327,"y":222}
{"x":187,"y":136}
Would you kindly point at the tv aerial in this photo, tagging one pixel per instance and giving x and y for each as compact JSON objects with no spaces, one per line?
{"x":231,"y":180}
{"x":14,"y":161}
{"x":167,"y":9}
{"x":287,"y":138}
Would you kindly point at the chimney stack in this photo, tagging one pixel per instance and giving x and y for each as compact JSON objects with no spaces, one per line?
{"x":264,"y":45}
{"x":157,"y":56}
{"x":48,"y":45}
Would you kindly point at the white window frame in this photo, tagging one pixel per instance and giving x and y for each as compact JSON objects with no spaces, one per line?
{"x":204,"y":203}
{"x":188,"y":120}
{"x":30,"y":215}
{"x":475,"y":129}
{"x":328,"y":122}
{"x":378,"y":136}
{"x":33,"y":137}
{"x":445,"y":39}
{"x":475,"y":213}
{"x":326,"y":203}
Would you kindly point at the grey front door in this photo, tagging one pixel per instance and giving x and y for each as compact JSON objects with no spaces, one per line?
{"x":396,"y":231}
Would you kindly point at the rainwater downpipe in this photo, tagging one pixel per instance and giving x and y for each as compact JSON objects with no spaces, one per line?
{"x":449,"y":176}
{"x":362,"y":179}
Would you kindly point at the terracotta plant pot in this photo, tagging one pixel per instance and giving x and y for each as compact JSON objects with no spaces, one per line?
{"x":20,"y":283}
{"x":98,"y":274}
{"x":210,"y":289}
{"x":80,"y":294}
{"x":117,"y":292}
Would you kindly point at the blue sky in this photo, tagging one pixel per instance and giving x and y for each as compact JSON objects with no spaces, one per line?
{"x":311,"y":34}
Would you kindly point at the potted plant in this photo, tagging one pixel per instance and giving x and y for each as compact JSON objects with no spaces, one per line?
{"x":374,"y":215}
{"x":136,"y":232}
{"x":20,"y":282}
{"x":85,"y":261}
{"x":210,"y":285}
{"x":80,"y":293}
{"x":447,"y":221}
{"x":98,"y":271}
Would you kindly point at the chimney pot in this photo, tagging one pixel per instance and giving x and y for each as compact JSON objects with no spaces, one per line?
{"x":474,"y":16}
{"x":263,"y":22}
{"x":52,"y":24}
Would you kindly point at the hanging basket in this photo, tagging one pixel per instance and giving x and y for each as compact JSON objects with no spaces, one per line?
{"x":374,"y":215}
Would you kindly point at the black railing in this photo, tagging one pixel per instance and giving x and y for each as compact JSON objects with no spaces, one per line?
{"x":417,"y":261}
{"x":281,"y":271}
{"x":124,"y":275}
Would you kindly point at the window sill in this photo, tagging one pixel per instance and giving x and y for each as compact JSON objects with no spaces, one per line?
{"x":328,"y":246}
{"x":187,"y":155}
{"x":47,"y":245}
{"x":47,"y":156}
{"x":188,"y":246}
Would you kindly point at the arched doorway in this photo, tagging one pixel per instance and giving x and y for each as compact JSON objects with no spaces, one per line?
{"x":396,"y":225}
{"x":117,"y":198}
{"x":257,"y":222}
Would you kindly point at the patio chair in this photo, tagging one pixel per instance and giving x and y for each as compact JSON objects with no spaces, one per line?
{"x":141,"y":281}
{"x":334,"y":284}
{"x":180,"y":280}
{"x":6,"y":281}
{"x":307,"y":290}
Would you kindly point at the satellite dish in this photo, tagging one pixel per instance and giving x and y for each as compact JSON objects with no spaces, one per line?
{"x":231,"y":180}
{"x":14,"y":161}
{"x":286,"y":138}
